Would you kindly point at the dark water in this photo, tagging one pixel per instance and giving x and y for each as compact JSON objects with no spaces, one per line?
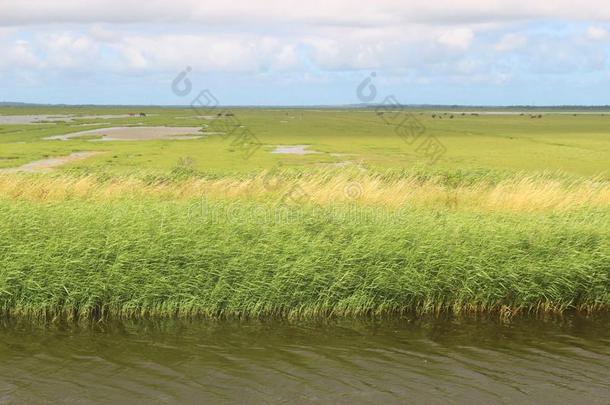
{"x":408,"y":361}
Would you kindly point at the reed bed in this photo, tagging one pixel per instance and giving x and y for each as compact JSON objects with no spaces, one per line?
{"x":82,"y":253}
{"x":519,"y":193}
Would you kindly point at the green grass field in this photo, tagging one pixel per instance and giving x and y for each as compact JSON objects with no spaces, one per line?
{"x":576,"y":145}
{"x":513,"y":217}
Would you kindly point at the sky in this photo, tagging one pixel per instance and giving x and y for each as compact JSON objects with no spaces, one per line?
{"x":314,"y":52}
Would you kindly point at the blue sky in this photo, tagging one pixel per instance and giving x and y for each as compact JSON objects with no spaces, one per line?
{"x":476,"y":52}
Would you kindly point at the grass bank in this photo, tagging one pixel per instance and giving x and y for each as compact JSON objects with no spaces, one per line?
{"x":149,"y":256}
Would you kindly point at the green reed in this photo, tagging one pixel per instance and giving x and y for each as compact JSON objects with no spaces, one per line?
{"x":153,"y":258}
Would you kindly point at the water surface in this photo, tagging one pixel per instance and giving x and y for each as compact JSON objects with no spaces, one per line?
{"x":46,"y":165}
{"x":408,"y":361}
{"x":135,"y":134}
{"x":293,"y":150}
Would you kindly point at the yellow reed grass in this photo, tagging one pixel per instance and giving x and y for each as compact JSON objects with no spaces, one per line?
{"x":519,"y":194}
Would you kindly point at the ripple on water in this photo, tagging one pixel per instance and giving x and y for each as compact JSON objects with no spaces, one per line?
{"x":432,"y":361}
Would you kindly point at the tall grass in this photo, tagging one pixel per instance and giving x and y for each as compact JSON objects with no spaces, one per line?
{"x":521,"y":193}
{"x":145,"y":256}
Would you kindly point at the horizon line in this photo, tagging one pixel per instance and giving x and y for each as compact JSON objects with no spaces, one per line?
{"x":350,"y":106}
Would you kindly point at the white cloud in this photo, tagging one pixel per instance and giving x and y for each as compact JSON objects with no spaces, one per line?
{"x":459,"y":38}
{"x":206,"y":52}
{"x":344,"y":55}
{"x":133,"y":58}
{"x":18,"y":55}
{"x":101,"y":34}
{"x":510,"y":42}
{"x":286,"y":58}
{"x":70,"y":51}
{"x":250,"y":37}
{"x":596,"y":33}
{"x":291,"y":13}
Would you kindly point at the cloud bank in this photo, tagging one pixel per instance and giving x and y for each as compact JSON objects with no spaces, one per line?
{"x":477,"y":43}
